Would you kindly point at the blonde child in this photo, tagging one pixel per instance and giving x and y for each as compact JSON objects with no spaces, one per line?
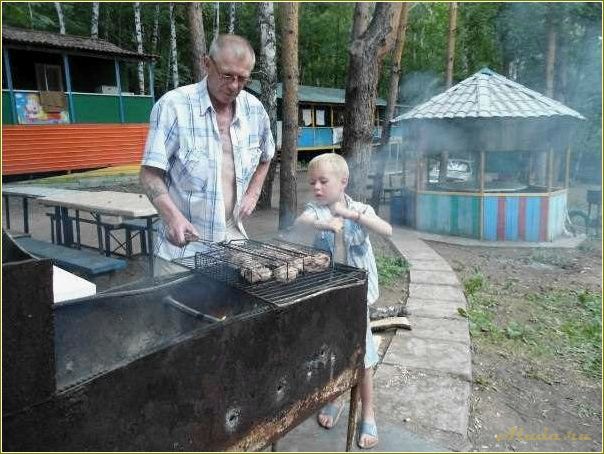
{"x":341,"y":226}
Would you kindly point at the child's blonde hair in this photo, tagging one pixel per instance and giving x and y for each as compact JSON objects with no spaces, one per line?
{"x":334,"y":161}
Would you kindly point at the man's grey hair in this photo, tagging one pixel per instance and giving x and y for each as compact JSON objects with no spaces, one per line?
{"x":236,"y":44}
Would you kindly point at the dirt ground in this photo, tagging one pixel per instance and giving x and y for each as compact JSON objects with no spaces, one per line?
{"x":524,"y":401}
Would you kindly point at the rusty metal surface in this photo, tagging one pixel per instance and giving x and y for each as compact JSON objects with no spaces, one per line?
{"x":27,"y":328}
{"x":135,"y":374}
{"x":272,"y":430}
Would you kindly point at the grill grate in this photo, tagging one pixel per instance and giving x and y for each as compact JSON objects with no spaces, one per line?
{"x":217,"y":263}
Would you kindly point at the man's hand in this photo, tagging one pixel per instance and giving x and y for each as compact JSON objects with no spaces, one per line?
{"x":248,"y":204}
{"x":179,"y":231}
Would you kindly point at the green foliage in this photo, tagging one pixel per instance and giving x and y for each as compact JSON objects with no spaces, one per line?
{"x":553,"y":326}
{"x":390,"y":269}
{"x":474,"y":283}
{"x":507,"y":37}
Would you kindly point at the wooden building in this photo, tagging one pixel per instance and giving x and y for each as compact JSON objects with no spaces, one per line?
{"x":70,"y":102}
{"x":320,"y":116}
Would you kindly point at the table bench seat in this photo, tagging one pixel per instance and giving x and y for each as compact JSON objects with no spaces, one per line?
{"x":87,"y":262}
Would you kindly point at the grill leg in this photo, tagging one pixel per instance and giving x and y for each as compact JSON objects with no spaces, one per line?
{"x":352,"y":417}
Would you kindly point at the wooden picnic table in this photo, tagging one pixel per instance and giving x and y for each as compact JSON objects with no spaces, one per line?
{"x":102,"y":203}
{"x":26,"y":192}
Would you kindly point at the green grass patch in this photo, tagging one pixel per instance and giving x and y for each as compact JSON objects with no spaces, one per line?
{"x":556,"y":326}
{"x":390,"y":269}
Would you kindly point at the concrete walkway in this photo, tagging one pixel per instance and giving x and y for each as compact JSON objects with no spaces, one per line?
{"x":422,"y":387}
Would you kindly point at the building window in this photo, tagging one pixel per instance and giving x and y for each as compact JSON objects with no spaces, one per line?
{"x":49,"y":77}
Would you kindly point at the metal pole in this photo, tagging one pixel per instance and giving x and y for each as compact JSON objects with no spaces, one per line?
{"x":72,"y":112}
{"x":481,"y":182}
{"x":567,"y":170}
{"x":9,"y":82}
{"x":151,"y":67}
{"x":119,"y":89}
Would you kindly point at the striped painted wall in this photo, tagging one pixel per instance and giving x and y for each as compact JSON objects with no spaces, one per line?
{"x":519,"y":217}
{"x":47,"y":148}
{"x":449,"y":214}
{"x":524,"y":217}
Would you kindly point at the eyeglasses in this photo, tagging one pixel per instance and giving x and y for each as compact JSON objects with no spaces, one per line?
{"x":229,"y":78}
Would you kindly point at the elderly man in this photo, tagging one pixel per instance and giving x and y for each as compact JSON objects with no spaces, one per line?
{"x":207,"y":153}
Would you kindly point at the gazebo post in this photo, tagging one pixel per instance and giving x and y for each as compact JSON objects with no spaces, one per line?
{"x":567,"y":169}
{"x":550,"y":168}
{"x":481,"y":185}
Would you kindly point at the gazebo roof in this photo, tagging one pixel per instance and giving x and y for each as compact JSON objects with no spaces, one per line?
{"x":487,"y":94}
{"x":37,"y":39}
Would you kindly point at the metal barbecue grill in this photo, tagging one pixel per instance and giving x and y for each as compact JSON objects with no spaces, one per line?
{"x":216,"y":262}
{"x":192,"y":363}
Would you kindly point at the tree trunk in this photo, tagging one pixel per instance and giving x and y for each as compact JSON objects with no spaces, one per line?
{"x":31,"y":15}
{"x":550,"y":61}
{"x":268,"y":84}
{"x":139,"y":47}
{"x":378,"y":182}
{"x":173,"y":47}
{"x":232,"y":15}
{"x":217,"y":20}
{"x":198,"y":40}
{"x":289,"y":148}
{"x":366,"y":53}
{"x":61,"y":17}
{"x":450,"y":61}
{"x":94,"y":21}
{"x":540,"y":167}
{"x":155,"y":37}
{"x":360,"y":20}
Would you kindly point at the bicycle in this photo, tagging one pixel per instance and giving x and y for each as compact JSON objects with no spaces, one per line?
{"x":581,"y":222}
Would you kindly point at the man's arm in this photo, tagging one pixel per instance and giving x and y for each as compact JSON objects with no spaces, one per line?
{"x":152,"y":180}
{"x":254,"y":188}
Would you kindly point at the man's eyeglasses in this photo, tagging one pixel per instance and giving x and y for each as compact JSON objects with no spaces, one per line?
{"x":229,"y":78}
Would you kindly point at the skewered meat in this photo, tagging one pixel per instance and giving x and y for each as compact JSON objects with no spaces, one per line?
{"x":250,"y":269}
{"x":285,"y":273}
{"x":257,"y":273}
{"x":316,"y":262}
{"x":291,"y":260}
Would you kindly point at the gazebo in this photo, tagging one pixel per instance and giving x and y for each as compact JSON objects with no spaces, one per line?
{"x":491,"y":161}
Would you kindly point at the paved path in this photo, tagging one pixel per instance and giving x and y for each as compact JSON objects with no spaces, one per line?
{"x":423,"y":385}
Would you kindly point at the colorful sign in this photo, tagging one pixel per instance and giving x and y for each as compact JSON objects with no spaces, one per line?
{"x":31,"y":112}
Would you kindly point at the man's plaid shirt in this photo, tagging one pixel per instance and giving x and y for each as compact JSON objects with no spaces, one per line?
{"x":184,"y":142}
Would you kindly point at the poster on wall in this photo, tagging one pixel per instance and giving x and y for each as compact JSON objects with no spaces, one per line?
{"x":31,"y":111}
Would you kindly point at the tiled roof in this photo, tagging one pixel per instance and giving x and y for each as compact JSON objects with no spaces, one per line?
{"x":487,"y":94}
{"x":42,"y":39}
{"x":307,"y":93}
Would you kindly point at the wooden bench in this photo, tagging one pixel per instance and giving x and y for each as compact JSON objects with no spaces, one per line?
{"x":87,"y":262}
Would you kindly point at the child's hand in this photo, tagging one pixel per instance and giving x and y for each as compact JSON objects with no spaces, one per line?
{"x":336,"y":224}
{"x":340,"y":210}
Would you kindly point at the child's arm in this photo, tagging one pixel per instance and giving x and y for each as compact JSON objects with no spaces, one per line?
{"x":368,"y":219}
{"x":308,"y":219}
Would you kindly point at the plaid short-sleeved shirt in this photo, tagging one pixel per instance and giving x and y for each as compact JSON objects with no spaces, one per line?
{"x":184,"y":142}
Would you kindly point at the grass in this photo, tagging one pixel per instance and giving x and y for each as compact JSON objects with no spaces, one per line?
{"x":390,"y":269}
{"x":549,"y":327}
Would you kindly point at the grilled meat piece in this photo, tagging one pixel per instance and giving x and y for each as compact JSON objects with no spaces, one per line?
{"x":257,"y":273}
{"x":251,"y":270}
{"x":316,"y":262}
{"x":285,"y":273}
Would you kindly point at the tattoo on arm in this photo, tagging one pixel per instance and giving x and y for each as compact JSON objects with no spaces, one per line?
{"x":153,"y":184}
